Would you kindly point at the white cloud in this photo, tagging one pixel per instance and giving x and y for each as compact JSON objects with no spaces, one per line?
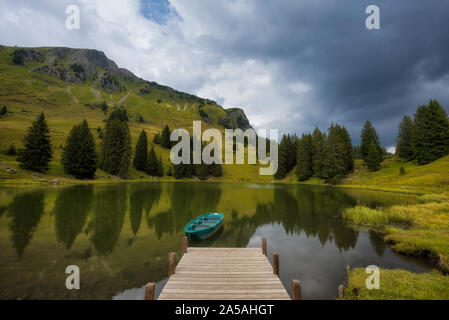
{"x":175,"y":53}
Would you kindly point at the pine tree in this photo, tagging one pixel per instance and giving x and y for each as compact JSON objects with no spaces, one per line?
{"x":304,"y":169}
{"x":374,"y":158}
{"x":37,"y":151}
{"x":165,"y":138}
{"x":202,"y":171}
{"x":291,"y":147}
{"x":282,"y":171}
{"x":157,"y":138}
{"x":115,"y":153}
{"x":318,"y":153}
{"x":431,"y":133}
{"x":152,"y":165}
{"x":334,"y":167}
{"x":368,"y":135}
{"x":178,"y":171}
{"x":141,"y":154}
{"x":404,"y":141}
{"x":348,"y":150}
{"x":79,"y":157}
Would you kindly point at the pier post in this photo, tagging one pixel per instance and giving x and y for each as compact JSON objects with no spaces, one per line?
{"x":276,"y":263}
{"x":264,"y":246}
{"x":184,"y":245}
{"x":341,"y":292}
{"x":296,"y":290}
{"x":149,"y":291}
{"x":171,"y":263}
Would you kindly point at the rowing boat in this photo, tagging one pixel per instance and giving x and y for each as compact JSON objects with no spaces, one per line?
{"x":204,"y":226}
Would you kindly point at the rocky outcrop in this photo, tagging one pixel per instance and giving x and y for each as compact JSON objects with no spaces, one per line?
{"x":234,"y":118}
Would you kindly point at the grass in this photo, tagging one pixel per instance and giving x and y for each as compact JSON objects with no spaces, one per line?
{"x":430,"y":178}
{"x":398,"y":285}
{"x":427,"y":234}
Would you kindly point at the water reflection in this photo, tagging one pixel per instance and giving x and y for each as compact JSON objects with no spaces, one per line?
{"x":121,"y":234}
{"x":187,"y":201}
{"x":25,"y":212}
{"x":71,"y":209}
{"x":109,"y":215}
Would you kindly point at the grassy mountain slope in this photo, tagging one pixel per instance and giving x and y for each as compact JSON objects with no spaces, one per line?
{"x":70,"y":85}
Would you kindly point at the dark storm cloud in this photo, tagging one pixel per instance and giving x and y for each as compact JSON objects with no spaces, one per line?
{"x":291,"y":64}
{"x":357,"y":74}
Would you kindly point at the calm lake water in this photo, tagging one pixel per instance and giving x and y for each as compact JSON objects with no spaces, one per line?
{"x":120,"y":235}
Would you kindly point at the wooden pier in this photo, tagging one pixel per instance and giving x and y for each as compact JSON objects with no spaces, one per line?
{"x":224,"y":273}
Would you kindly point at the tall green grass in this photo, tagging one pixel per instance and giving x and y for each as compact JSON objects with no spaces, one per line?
{"x":362,"y":215}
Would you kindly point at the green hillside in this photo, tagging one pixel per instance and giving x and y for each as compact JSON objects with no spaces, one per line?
{"x":70,"y":85}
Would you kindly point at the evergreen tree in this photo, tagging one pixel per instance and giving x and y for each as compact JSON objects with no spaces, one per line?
{"x":348,"y":155}
{"x":141,"y":154}
{"x":304,"y":169}
{"x":374,"y":158}
{"x":165,"y":138}
{"x":431,"y":133}
{"x":404,"y":141}
{"x":120,"y":114}
{"x":291,"y":147}
{"x":334,"y":167}
{"x":318,"y":153}
{"x":201,"y":171}
{"x":368,"y":135}
{"x":282,"y":171}
{"x":152,"y":165}
{"x":157,"y":138}
{"x":215,"y":170}
{"x":178,"y":171}
{"x":37,"y":151}
{"x":356,"y":153}
{"x":115,"y":155}
{"x":79,"y":157}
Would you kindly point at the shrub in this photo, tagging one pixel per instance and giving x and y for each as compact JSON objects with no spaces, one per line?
{"x":3,"y":111}
{"x":401,"y":171}
{"x":11,"y":151}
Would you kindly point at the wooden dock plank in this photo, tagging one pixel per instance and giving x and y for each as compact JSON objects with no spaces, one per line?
{"x":224,"y":273}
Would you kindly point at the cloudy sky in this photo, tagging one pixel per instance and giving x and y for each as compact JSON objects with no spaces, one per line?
{"x":290,"y":64}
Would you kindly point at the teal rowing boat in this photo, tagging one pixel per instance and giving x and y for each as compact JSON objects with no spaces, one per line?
{"x":204,"y":226}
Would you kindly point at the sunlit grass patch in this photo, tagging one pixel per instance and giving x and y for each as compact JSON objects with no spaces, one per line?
{"x":365,"y":216}
{"x":432,"y":198}
{"x":362,"y":215}
{"x":398,"y":285}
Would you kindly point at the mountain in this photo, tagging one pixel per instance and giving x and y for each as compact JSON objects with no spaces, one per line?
{"x":92,"y":67}
{"x":70,"y":85}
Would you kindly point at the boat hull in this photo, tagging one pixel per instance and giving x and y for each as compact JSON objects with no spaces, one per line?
{"x":214,"y":223}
